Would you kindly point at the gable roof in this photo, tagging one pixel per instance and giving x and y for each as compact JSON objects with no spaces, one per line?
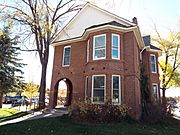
{"x":147,"y":42}
{"x":91,"y":16}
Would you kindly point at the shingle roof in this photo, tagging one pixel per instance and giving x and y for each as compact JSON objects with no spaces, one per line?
{"x":147,"y":42}
{"x":113,"y":23}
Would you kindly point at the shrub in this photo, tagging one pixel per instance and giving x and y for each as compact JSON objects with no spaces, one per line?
{"x":88,"y":112}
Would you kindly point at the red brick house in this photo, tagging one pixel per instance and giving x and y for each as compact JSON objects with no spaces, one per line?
{"x":98,"y":55}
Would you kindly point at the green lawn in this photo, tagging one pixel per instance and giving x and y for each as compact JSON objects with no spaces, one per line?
{"x":65,"y":126}
{"x":8,"y":114}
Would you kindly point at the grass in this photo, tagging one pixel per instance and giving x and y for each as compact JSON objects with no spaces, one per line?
{"x":8,"y":114}
{"x":65,"y":126}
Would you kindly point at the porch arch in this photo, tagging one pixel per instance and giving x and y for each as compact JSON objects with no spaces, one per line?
{"x":69,"y":91}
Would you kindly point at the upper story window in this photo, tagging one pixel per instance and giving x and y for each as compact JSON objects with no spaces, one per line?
{"x":66,"y":56}
{"x":153,"y":63}
{"x":98,"y":88}
{"x":87,"y":51}
{"x":99,"y":47}
{"x":115,"y":46}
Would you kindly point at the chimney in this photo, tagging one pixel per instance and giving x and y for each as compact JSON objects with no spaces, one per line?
{"x":134,"y":20}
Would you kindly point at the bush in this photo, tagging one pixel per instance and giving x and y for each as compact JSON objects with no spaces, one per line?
{"x":88,"y":112}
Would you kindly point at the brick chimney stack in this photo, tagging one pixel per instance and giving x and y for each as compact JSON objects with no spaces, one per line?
{"x":134,"y":20}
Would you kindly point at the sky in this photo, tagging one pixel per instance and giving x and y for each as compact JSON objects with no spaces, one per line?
{"x":165,"y":14}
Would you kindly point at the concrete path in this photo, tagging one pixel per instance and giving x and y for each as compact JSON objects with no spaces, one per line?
{"x":38,"y":115}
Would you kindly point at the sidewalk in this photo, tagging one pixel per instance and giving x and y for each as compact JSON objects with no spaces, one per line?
{"x":38,"y":115}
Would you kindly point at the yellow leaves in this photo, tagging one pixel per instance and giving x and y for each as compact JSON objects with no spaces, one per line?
{"x":1,"y":33}
{"x":31,"y":90}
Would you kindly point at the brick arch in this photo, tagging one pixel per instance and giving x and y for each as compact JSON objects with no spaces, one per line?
{"x":69,"y":92}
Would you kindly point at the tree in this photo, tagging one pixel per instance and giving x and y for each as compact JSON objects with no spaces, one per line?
{"x":44,"y":21}
{"x":31,"y":89}
{"x":170,"y":63}
{"x":10,"y":66}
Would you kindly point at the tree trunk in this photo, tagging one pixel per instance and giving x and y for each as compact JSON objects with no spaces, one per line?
{"x":42,"y":89}
{"x":164,"y":105}
{"x":1,"y":97}
{"x":163,"y":95}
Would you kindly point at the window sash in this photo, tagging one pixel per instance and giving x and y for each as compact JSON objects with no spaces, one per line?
{"x":99,"y":48}
{"x":153,"y":63}
{"x":115,"y":46}
{"x":100,"y":53}
{"x":66,"y":56}
{"x":87,"y":50}
{"x":116,"y":89}
{"x":155,"y":91}
{"x":86,"y":87}
{"x":98,"y":88}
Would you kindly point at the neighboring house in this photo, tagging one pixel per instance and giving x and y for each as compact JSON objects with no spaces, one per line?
{"x":98,"y":55}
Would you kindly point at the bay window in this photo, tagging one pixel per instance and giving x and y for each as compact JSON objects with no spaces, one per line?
{"x":115,"y":39}
{"x":99,"y":47}
{"x":98,"y":88}
{"x":116,"y":89}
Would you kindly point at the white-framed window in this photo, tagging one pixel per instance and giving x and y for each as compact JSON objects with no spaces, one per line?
{"x":155,"y":91}
{"x":153,"y":63}
{"x":98,"y":88}
{"x":99,"y":47}
{"x":116,"y":89}
{"x":66,"y":55}
{"x":87,"y":51}
{"x":115,"y":39}
{"x":86,"y":87}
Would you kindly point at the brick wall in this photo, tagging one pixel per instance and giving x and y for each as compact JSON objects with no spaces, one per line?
{"x":127,"y":67}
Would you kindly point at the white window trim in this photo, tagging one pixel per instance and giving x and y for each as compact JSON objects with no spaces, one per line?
{"x":86,"y":88}
{"x":63,"y":56}
{"x":92,"y":92}
{"x":87,"y":51}
{"x":157,"y":89}
{"x":94,"y":47}
{"x":119,"y":89}
{"x":118,"y":46}
{"x":155,"y":63}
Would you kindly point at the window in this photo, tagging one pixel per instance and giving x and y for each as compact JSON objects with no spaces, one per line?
{"x":66,"y":56}
{"x":155,"y":91}
{"x":115,"y":46}
{"x":87,"y":51}
{"x":98,"y":88}
{"x":153,"y":63}
{"x":116,"y":89}
{"x":86,"y":88}
{"x":99,"y":47}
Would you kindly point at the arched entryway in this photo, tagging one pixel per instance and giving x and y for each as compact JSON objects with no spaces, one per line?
{"x":63,"y":90}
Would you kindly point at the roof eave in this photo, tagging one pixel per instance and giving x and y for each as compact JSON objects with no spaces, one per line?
{"x":87,"y":31}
